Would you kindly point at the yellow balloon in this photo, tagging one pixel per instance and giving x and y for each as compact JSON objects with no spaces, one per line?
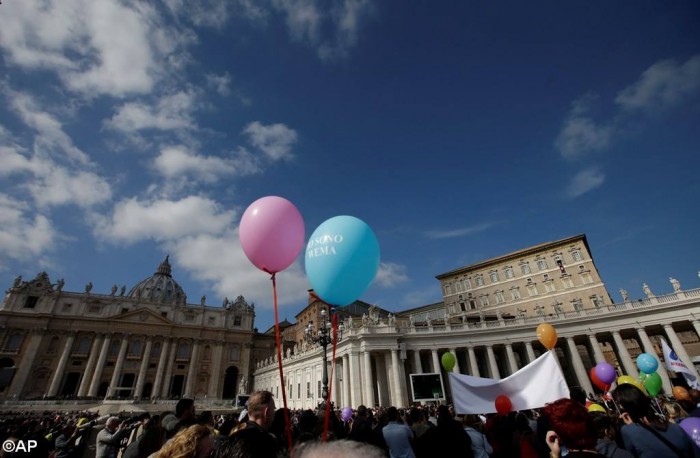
{"x":621,"y":380}
{"x":596,"y":408}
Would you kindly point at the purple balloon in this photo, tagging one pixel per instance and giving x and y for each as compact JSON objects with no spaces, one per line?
{"x":605,"y":372}
{"x":691,"y":426}
{"x":346,"y":414}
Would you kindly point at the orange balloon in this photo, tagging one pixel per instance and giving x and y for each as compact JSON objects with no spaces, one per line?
{"x":547,"y":335}
{"x":681,"y":393}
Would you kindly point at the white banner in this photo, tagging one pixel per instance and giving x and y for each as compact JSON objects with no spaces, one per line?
{"x":533,"y":386}
{"x":674,"y":363}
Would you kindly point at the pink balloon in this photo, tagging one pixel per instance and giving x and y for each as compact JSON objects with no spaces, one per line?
{"x":272,"y":233}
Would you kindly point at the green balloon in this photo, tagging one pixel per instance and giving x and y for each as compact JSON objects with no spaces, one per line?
{"x":652,"y":383}
{"x":448,"y":361}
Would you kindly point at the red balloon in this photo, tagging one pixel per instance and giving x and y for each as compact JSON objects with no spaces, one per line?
{"x":596,"y":381}
{"x":503,"y":405}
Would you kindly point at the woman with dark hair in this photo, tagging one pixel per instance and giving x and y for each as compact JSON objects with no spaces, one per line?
{"x":571,"y":429}
{"x":646,"y":434}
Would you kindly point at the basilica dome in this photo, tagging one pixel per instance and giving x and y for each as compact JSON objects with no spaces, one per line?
{"x":160,"y":287}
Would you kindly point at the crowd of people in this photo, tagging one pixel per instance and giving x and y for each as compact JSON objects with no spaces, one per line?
{"x":634,"y":426}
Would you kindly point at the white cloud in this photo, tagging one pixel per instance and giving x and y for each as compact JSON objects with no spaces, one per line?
{"x":23,"y":237}
{"x":390,"y":274}
{"x":307,"y":21}
{"x":220,"y":261}
{"x":171,"y":112}
{"x":50,"y":137}
{"x":580,"y":134}
{"x":220,"y":83}
{"x":460,"y":232}
{"x":174,"y":162}
{"x":663,"y":85}
{"x":206,"y":13}
{"x":95,"y":47}
{"x":163,"y":220}
{"x":275,"y":140}
{"x":585,"y":181}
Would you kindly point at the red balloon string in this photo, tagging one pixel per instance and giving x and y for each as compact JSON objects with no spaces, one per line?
{"x":287,"y":422}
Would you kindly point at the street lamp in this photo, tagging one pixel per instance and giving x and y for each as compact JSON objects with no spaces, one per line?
{"x":323,"y":336}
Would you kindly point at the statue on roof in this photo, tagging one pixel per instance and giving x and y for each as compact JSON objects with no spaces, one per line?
{"x":59,"y":285}
{"x":675,"y":283}
{"x":122,"y":291}
{"x":647,"y":290}
{"x":522,"y":313}
{"x":624,"y":294}
{"x":88,"y":288}
{"x":114,"y":290}
{"x":203,"y":300}
{"x":18,"y":282}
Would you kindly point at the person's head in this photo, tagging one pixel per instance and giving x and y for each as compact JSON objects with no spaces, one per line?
{"x":603,"y":424}
{"x":112,"y":423}
{"x":471,"y":420}
{"x":632,"y":401}
{"x":68,"y":429}
{"x":362,"y":411}
{"x":694,"y":395}
{"x":577,"y":394}
{"x":392,"y":413}
{"x":337,"y":449}
{"x":674,"y":412}
{"x":192,"y":442}
{"x":261,"y":408}
{"x":185,"y":409}
{"x":572,"y":424}
{"x":416,"y":415}
{"x":206,"y":418}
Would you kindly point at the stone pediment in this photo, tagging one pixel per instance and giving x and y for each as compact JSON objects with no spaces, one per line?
{"x":141,"y":315}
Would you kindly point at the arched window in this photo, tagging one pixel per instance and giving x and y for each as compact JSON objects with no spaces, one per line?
{"x":207,"y":353}
{"x":114,"y":348}
{"x":235,"y":351}
{"x":53,"y":345}
{"x":183,"y":350}
{"x":135,"y":347}
{"x":83,"y":345}
{"x":13,"y":343}
{"x":155,"y":351}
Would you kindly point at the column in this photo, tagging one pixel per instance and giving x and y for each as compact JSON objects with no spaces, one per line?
{"x":512,"y":364}
{"x":627,"y":364}
{"x":416,"y":362}
{"x":678,"y":347}
{"x":164,"y":348}
{"x":336,"y":395}
{"x":20,"y":379}
{"x":649,"y":348}
{"x":141,"y":379}
{"x":436,"y":361}
{"x":169,"y":369}
{"x":696,"y":325}
{"x":456,"y":368}
{"x":597,"y":352}
{"x":58,"y":375}
{"x":355,"y":382}
{"x":382,"y":382}
{"x":99,"y":367}
{"x":492,"y":362}
{"x":215,"y":375}
{"x":192,"y":371}
{"x":473,"y":365}
{"x":530,"y":352}
{"x":399,"y":398}
{"x":114,"y":383}
{"x":369,"y":380}
{"x":580,"y":370}
{"x":346,"y":380}
{"x":90,"y":367}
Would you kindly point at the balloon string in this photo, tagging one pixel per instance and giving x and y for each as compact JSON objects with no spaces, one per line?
{"x":330,"y":382}
{"x":287,"y":422}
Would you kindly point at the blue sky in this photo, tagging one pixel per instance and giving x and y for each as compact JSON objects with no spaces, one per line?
{"x":458,"y":131}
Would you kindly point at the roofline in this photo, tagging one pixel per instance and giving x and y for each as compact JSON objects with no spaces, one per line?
{"x":516,"y":254}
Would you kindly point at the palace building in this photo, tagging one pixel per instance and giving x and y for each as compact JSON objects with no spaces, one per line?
{"x":487,"y":318}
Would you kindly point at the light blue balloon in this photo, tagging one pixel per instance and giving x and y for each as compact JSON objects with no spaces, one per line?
{"x":647,"y":364}
{"x":342,"y":258}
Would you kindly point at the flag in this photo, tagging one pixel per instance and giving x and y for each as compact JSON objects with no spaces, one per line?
{"x":673,"y":363}
{"x":533,"y":386}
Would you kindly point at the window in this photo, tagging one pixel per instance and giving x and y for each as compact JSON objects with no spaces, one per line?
{"x":499,"y":297}
{"x":319,"y":389}
{"x":567,"y":282}
{"x":308,"y":390}
{"x":114,"y":349}
{"x":448,"y":289}
{"x":124,"y":310}
{"x":576,"y":255}
{"x":515,"y":293}
{"x":494,"y":277}
{"x":586,"y":278}
{"x":164,"y":314}
{"x":485,"y":300}
{"x":549,"y":286}
{"x":577,"y":304}
{"x":155,"y":351}
{"x":468,"y":283}
{"x":298,"y":390}
{"x":532,"y":289}
{"x":135,"y":348}
{"x":525,"y":268}
{"x":462,"y":307}
{"x":233,"y":356}
{"x":545,"y":277}
{"x":53,"y":346}
{"x":93,"y":309}
{"x":183,"y":350}
{"x":597,"y":301}
{"x":83,"y":345}
{"x":458,"y":284}
{"x":237,"y":320}
{"x":212,"y":320}
{"x":509,"y":272}
{"x":13,"y":343}
{"x":189,"y":317}
{"x":541,"y":264}
{"x":31,"y":302}
{"x":479,"y":280}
